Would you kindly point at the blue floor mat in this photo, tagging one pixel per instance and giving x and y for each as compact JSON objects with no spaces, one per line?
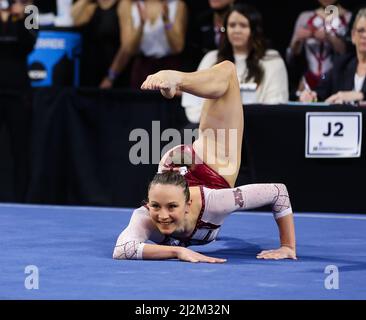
{"x":72,"y":250}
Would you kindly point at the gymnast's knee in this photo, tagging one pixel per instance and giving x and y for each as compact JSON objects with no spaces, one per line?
{"x":227,"y":70}
{"x":230,"y":66}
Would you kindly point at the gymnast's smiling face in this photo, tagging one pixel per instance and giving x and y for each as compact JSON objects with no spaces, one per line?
{"x":168,"y":208}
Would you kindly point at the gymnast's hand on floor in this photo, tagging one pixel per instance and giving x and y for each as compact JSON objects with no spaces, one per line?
{"x":166,"y":81}
{"x":277,"y":254}
{"x":188,"y":255}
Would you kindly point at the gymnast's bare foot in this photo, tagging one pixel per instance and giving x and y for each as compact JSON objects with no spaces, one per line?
{"x":167,"y":81}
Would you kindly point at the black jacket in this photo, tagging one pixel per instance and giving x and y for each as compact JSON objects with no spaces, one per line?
{"x":339,"y":78}
{"x":16,"y":42}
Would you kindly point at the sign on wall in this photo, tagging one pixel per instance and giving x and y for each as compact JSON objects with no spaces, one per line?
{"x":333,"y":134}
{"x":55,"y":59}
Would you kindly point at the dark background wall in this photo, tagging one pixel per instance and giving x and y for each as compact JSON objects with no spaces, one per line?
{"x":80,"y":143}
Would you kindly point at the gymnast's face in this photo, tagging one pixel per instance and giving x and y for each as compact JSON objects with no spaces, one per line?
{"x":238,"y":31}
{"x":168,"y":208}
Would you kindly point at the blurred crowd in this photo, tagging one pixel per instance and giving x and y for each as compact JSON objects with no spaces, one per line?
{"x":126,"y":40}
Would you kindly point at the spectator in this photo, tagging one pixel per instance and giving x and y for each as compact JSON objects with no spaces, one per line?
{"x":54,"y":12}
{"x":16,"y":42}
{"x":244,"y":44}
{"x":105,"y":53}
{"x":157,"y":33}
{"x":206,"y":32}
{"x":346,"y":81}
{"x":318,"y":40}
{"x":355,"y":9}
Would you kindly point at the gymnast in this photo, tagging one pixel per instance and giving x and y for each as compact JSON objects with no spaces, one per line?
{"x":193,"y":191}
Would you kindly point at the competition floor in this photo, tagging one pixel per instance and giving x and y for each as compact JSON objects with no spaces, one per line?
{"x":72,"y":249}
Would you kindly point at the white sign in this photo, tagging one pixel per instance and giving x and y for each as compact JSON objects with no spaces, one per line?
{"x":333,"y":134}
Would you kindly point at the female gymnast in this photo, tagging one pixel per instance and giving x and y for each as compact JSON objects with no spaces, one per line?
{"x":188,"y":208}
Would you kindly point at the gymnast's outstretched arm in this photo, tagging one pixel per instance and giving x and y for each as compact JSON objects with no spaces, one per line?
{"x":131,"y":243}
{"x":221,"y":203}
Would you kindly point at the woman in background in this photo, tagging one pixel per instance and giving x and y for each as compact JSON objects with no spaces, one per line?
{"x":345,"y":83}
{"x":105,"y":53}
{"x":319,"y":40}
{"x":156,"y":33}
{"x":244,"y":44}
